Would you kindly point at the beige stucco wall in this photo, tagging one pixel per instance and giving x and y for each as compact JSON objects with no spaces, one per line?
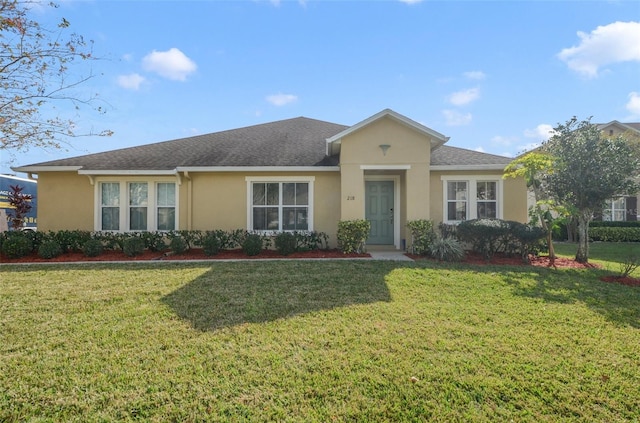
{"x":65,"y":201}
{"x":514,"y":194}
{"x":409,"y":153}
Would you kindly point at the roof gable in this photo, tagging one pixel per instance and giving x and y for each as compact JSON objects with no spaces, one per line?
{"x":436,"y":138}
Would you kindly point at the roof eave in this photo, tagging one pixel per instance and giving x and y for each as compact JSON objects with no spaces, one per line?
{"x":468,"y":167}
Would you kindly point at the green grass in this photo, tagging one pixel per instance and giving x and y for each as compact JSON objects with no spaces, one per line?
{"x":316,"y":341}
{"x":608,"y":255}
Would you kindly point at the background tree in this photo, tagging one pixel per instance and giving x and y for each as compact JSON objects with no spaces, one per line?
{"x":588,"y":169}
{"x":35,"y":78}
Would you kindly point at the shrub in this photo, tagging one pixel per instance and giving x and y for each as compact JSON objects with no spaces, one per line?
{"x":133,"y":246}
{"x":486,"y":236}
{"x":49,"y":249}
{"x":629,"y":264}
{"x":446,"y":249}
{"x":154,"y":241}
{"x":252,"y":244}
{"x":614,"y":234}
{"x":211,"y":243}
{"x":286,"y":243}
{"x":422,"y":235}
{"x":71,"y":240}
{"x":352,"y":235}
{"x":92,"y":248}
{"x":178,"y":245}
{"x":16,"y":245}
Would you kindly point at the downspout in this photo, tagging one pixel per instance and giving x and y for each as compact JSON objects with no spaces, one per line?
{"x":189,"y":200}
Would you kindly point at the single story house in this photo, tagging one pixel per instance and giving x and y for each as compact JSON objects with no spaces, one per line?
{"x":623,"y":208}
{"x":294,"y":174}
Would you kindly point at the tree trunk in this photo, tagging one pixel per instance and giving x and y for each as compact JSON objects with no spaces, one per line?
{"x":582,"y":255}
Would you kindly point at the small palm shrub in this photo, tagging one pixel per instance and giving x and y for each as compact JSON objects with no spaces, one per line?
{"x":446,"y":249}
{"x":286,"y":243}
{"x":178,"y":245}
{"x":133,"y":246}
{"x":252,"y":245}
{"x":92,"y":248}
{"x":49,"y":249}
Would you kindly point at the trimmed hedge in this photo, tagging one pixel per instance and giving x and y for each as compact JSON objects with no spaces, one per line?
{"x":352,"y":235}
{"x":618,"y":224}
{"x":491,"y":236}
{"x":614,"y":234}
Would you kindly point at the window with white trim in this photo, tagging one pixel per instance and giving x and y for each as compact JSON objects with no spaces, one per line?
{"x":487,"y":199}
{"x":457,"y":196}
{"x":110,"y":206}
{"x":615,"y":210}
{"x":471,"y":197}
{"x":136,"y":206}
{"x":280,"y":205}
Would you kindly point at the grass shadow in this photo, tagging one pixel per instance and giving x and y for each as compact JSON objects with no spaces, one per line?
{"x":248,"y":292}
{"x":617,"y":303}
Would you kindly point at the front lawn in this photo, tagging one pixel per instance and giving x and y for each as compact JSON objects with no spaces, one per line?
{"x":316,"y":341}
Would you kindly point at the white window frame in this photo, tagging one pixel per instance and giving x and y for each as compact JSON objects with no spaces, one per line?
{"x":610,"y":210}
{"x":152,"y":203}
{"x":250,"y":180}
{"x":472,"y":195}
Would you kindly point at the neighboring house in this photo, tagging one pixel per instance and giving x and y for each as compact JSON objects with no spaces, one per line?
{"x":294,"y":174}
{"x":624,"y":207}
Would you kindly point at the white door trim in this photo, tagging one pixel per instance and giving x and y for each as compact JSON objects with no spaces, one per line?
{"x":396,"y":203}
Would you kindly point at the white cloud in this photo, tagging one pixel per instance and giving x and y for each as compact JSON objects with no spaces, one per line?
{"x":462,"y":98}
{"x":541,"y":132}
{"x":172,"y":64}
{"x":131,"y":81}
{"x":281,"y":99}
{"x":613,"y":43}
{"x":479,"y":149}
{"x":410,"y":1}
{"x":476,"y":75}
{"x":633,"y":105}
{"x":528,"y":147}
{"x":455,"y":118}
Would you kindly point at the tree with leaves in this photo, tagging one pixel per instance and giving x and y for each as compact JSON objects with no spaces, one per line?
{"x":533,"y":167}
{"x":36,"y":78}
{"x":20,"y":204}
{"x":588,"y":169}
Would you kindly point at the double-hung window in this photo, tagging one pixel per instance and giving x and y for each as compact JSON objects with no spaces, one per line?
{"x":615,"y":210}
{"x":136,"y":206}
{"x":467,"y":197}
{"x":280,"y":205}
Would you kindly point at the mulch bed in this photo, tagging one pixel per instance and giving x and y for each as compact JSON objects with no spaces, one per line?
{"x":503,"y":259}
{"x":193,"y":254}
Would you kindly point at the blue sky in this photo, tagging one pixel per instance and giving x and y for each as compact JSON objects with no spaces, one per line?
{"x":493,"y":76}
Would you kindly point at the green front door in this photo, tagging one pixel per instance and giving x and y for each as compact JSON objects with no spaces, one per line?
{"x":379,"y":211}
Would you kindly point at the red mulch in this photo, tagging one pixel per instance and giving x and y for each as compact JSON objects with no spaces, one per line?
{"x":194,"y":254}
{"x":619,"y":279}
{"x":502,"y":259}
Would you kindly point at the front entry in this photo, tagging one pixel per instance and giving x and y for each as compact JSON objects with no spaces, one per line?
{"x":379,"y":211}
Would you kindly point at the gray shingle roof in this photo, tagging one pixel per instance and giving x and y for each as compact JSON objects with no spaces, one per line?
{"x":299,"y":142}
{"x":292,"y":142}
{"x":454,"y":156}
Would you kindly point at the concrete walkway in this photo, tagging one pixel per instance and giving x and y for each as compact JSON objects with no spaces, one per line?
{"x":386,"y":253}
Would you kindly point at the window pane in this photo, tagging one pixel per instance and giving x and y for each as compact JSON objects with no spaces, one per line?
{"x":166,"y":194}
{"x":295,"y":218}
{"x":456,"y":191}
{"x":138,"y":194}
{"x":486,"y":190}
{"x":110,"y":194}
{"x":265,"y":218}
{"x":166,"y":218}
{"x":273,"y":194}
{"x":457,"y":210}
{"x":259,"y":194}
{"x":486,"y":210}
{"x":302,"y":194}
{"x":289,"y":194}
{"x":138,"y":218}
{"x":110,"y":219}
